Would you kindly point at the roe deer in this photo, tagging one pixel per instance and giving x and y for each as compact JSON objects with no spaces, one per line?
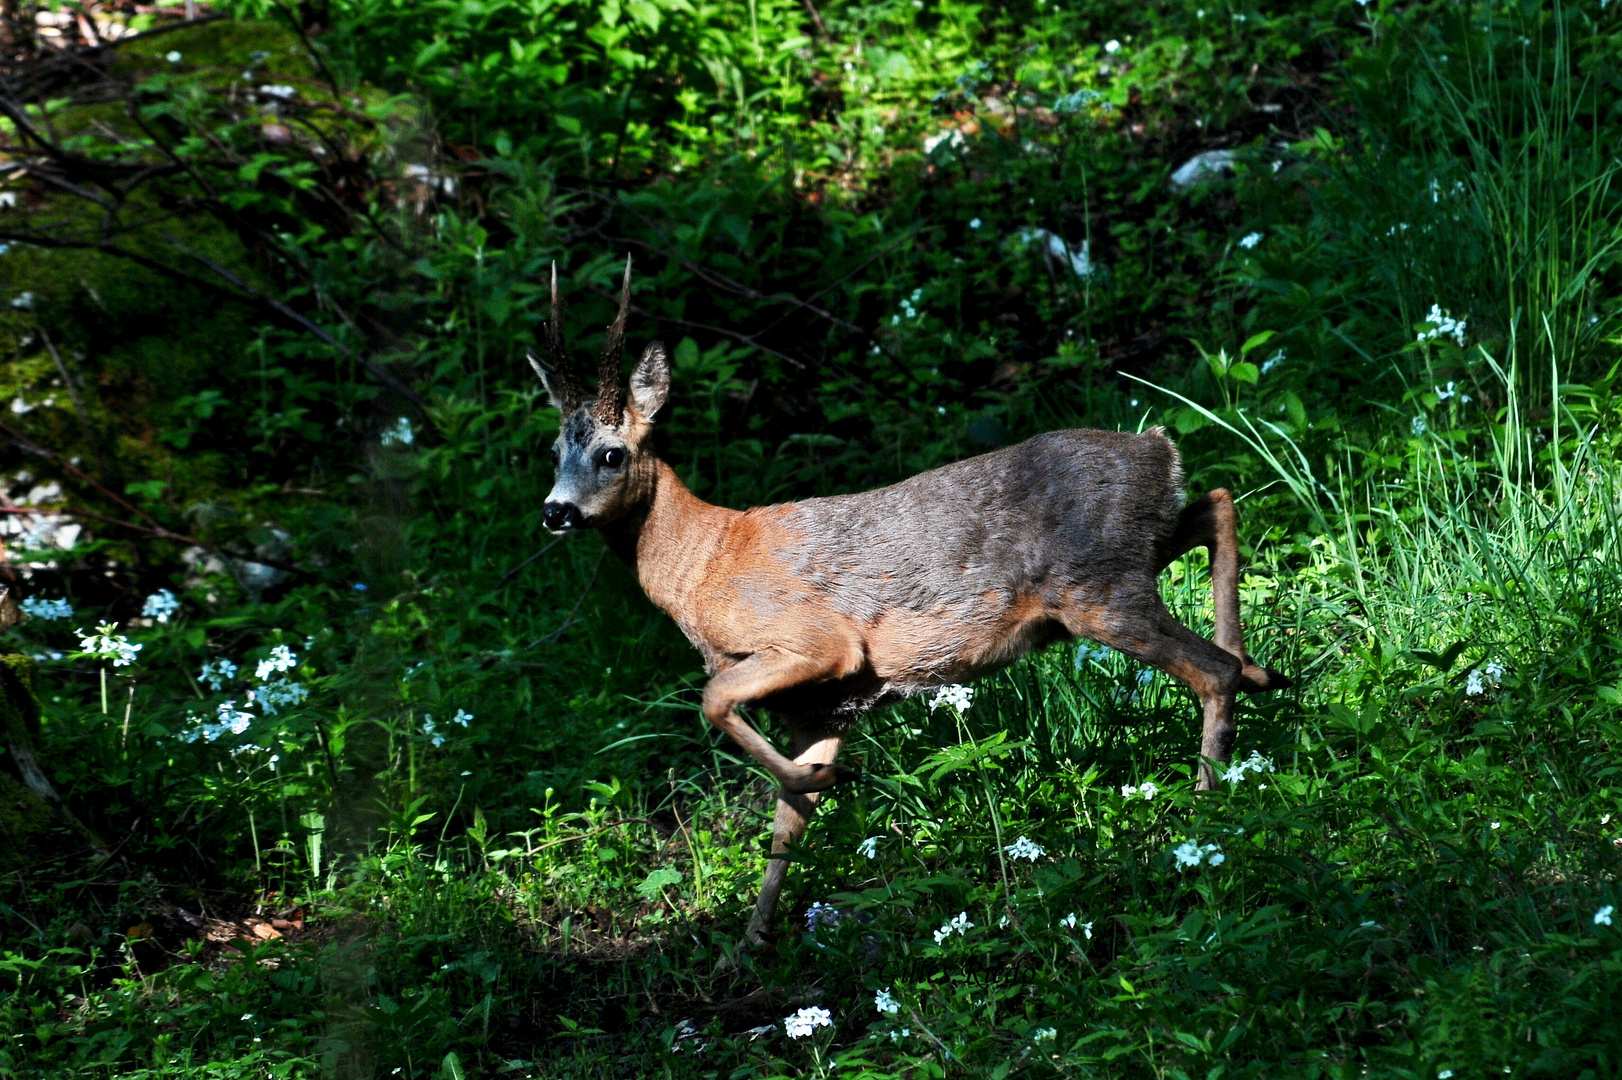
{"x":819,"y":610}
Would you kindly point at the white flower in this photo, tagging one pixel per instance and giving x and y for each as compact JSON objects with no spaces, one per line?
{"x":821,"y":914}
{"x":160,"y":605}
{"x":232,"y":719}
{"x":278,"y":694}
{"x":806,"y":1021}
{"x":1483,"y":678}
{"x":869,"y":847}
{"x":1602,"y":917}
{"x":1442,"y":394}
{"x":952,"y":138}
{"x":1417,"y":426}
{"x":1112,"y":46}
{"x":1445,"y":1074}
{"x":1069,"y":921}
{"x":281,"y":659}
{"x":958,"y":697}
{"x":217,"y":673}
{"x":1250,"y":240}
{"x":1442,"y":323}
{"x":1024,"y":848}
{"x":1188,"y":854}
{"x":39,"y":608}
{"x":1087,"y":929}
{"x":172,"y":56}
{"x":959,"y":923}
{"x":1147,"y":789}
{"x":1272,"y":362}
{"x":281,"y":93}
{"x":398,"y":435}
{"x":428,"y":729}
{"x":885,"y":1003}
{"x":1044,"y":1034}
{"x":1254,"y":763}
{"x":975,"y":224}
{"x":104,"y":643}
{"x":462,"y":717}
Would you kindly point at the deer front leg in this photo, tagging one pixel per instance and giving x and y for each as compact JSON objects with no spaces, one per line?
{"x":760,"y":675}
{"x":788,"y":828}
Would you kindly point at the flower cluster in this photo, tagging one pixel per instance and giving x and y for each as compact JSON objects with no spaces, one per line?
{"x":229,"y":719}
{"x":885,"y":1003}
{"x":1069,"y":923}
{"x":958,"y":697}
{"x":40,"y":608}
{"x":806,"y":1021}
{"x":430,"y":729}
{"x":278,"y":694}
{"x":1254,"y":763}
{"x":821,"y":914}
{"x":400,"y":434}
{"x":217,"y":673}
{"x":1190,"y":854}
{"x":1602,"y":917}
{"x":1250,"y":240}
{"x":1484,"y":678}
{"x":1146,"y":790}
{"x":1044,"y":1034}
{"x":1025,"y":848}
{"x":281,"y":659}
{"x":104,"y":643}
{"x":160,"y":605}
{"x":1442,"y":324}
{"x":1444,"y":392}
{"x":959,"y":924}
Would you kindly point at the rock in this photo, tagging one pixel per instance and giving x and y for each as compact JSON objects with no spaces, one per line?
{"x":1204,"y":166}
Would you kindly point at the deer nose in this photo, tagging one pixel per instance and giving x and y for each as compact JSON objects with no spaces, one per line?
{"x":559,"y":516}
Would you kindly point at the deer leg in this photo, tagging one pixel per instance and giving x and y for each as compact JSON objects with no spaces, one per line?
{"x":1137,"y":623}
{"x":788,"y":828}
{"x":760,"y":675}
{"x":1210,"y":522}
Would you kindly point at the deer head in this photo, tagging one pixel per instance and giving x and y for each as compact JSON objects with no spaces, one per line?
{"x":604,"y":469}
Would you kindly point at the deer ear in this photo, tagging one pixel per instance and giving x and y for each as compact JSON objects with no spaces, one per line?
{"x":650,"y":382}
{"x":551,"y":382}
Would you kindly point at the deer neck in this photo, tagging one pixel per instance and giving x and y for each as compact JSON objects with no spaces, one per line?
{"x":671,"y":539}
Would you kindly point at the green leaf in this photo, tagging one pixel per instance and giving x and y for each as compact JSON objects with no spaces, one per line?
{"x":969,"y":754}
{"x":1244,"y":372}
{"x":645,"y":13}
{"x":1256,"y":341}
{"x":655,"y":883}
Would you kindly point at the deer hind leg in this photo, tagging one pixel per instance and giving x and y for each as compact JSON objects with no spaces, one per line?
{"x":788,"y":827}
{"x":758,"y":676}
{"x":1210,"y":522}
{"x":1136,"y":622}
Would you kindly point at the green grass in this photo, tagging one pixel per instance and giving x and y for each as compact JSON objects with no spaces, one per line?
{"x":510,"y":843}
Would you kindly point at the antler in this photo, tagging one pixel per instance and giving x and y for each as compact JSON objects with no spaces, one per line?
{"x":609,"y":404}
{"x":557,"y":372}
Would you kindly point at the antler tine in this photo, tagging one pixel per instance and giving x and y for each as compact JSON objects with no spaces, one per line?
{"x":558,"y":372}
{"x":608,"y":404}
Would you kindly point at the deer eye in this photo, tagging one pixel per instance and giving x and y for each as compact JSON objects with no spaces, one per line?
{"x":610,"y":459}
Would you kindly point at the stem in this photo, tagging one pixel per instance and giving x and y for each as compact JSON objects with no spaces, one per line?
{"x":104,"y":691}
{"x":129,"y":706}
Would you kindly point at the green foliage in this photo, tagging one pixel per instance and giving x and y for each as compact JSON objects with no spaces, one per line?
{"x":471,"y":760}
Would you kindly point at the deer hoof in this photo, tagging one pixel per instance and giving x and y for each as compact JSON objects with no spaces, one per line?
{"x":1256,"y":679}
{"x":819,"y":777}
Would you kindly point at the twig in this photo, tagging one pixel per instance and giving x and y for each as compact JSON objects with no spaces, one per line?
{"x":73,"y":393}
{"x":723,"y":331}
{"x":589,"y":835}
{"x":568,"y":620}
{"x":509,"y":575}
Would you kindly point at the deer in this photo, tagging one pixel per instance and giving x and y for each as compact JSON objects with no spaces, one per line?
{"x":820,"y":610}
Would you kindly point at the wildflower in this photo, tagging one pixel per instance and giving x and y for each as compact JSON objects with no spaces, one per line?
{"x":1495,"y":825}
{"x":1417,"y":426}
{"x":806,"y":1021}
{"x":281,"y":659}
{"x":1044,"y":1034}
{"x":1087,"y":929}
{"x":1442,"y":324}
{"x":278,"y":694}
{"x":975,"y":224}
{"x":821,"y":914}
{"x":885,"y":1003}
{"x":1272,"y":362}
{"x":1484,"y":678}
{"x":959,"y":923}
{"x":1024,"y":848}
{"x":398,"y":435}
{"x":217,"y":673}
{"x":1188,"y":854}
{"x":39,"y":608}
{"x":104,"y":643}
{"x":462,"y":717}
{"x":1445,"y":1074}
{"x":1146,"y":789}
{"x":1254,"y":763}
{"x":233,"y":719}
{"x":1112,"y":46}
{"x":958,"y":697}
{"x":279,"y":92}
{"x":172,"y":56}
{"x":1069,"y":921}
{"x":1602,"y":917}
{"x":160,"y":605}
{"x":869,"y":847}
{"x":1250,"y":240}
{"x":429,"y":730}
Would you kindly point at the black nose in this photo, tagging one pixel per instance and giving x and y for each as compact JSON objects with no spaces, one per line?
{"x":559,"y":515}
